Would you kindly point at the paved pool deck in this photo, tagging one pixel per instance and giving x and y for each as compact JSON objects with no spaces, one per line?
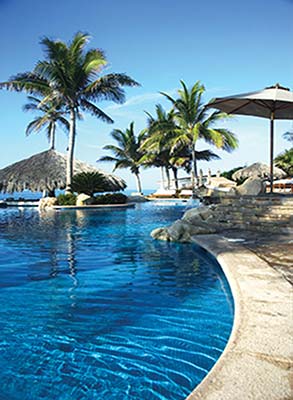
{"x":257,"y":362}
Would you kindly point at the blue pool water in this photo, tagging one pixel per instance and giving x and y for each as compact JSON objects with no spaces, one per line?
{"x":92,"y":308}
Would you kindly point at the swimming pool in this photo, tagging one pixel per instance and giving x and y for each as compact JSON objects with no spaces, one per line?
{"x":93,"y":308}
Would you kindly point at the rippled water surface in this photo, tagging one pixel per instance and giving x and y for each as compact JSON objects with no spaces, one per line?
{"x":93,"y":308}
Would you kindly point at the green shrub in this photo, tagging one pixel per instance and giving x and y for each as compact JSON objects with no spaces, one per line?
{"x":228,"y":175}
{"x":66,"y":199}
{"x":111,"y":198}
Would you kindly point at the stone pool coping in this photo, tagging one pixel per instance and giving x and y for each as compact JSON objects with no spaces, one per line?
{"x":256,"y":361}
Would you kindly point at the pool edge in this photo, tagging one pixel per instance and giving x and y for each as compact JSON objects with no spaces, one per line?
{"x":255,"y":363}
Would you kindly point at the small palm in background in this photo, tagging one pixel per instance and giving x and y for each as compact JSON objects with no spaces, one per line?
{"x":127,"y":153}
{"x":50,"y":115}
{"x":90,"y":183}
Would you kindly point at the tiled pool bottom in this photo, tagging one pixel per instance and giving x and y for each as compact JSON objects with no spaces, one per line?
{"x":93,"y":308}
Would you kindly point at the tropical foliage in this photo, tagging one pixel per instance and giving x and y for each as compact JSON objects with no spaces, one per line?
{"x":228,"y":174}
{"x":193,"y":123}
{"x":70,"y":76}
{"x":90,"y":183}
{"x":127,"y":153}
{"x":155,"y":146}
{"x":68,"y":199}
{"x":160,"y":151}
{"x":285,"y":161}
{"x":111,"y":198}
{"x":49,"y":116}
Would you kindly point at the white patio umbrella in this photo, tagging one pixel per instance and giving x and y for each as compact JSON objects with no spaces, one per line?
{"x":274,"y":102}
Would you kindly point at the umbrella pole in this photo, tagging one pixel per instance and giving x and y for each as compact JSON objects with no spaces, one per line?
{"x":272,"y":154}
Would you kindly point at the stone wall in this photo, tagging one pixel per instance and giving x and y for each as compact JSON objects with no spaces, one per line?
{"x":269,"y":214}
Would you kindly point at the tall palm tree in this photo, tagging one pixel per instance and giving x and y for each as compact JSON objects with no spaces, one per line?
{"x":194,"y":123}
{"x":127,"y":152}
{"x":70,"y":75}
{"x":49,"y":116}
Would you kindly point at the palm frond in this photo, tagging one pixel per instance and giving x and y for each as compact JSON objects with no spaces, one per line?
{"x":109,"y":87}
{"x":288,"y":136}
{"x":206,"y":155}
{"x":28,"y":82}
{"x":94,"y":61}
{"x":95,"y":111}
{"x":107,"y":159}
{"x":34,"y":125}
{"x":64,"y":124}
{"x":170,"y":98}
{"x":54,"y":49}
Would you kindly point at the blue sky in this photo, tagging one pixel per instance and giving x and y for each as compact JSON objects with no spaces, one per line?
{"x":230,"y":46}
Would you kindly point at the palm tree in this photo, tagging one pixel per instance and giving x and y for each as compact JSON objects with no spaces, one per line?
{"x":70,"y":75}
{"x":159,"y":146}
{"x":156,"y":145}
{"x":50,"y":116}
{"x":127,"y":153}
{"x":90,"y":183}
{"x":193,"y":123}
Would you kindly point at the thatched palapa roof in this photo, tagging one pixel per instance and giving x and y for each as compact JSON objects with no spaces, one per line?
{"x":258,"y":170}
{"x":46,"y":171}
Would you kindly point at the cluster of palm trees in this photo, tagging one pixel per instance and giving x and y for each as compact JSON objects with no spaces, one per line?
{"x":69,"y":81}
{"x":170,"y":138}
{"x":65,"y":83}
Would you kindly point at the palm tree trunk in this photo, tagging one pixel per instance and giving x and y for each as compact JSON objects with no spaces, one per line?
{"x":138,"y":182}
{"x":194,"y":169}
{"x":52,"y":136}
{"x":175,"y":173}
{"x":70,"y":154}
{"x":168,"y":177}
{"x":162,"y":178}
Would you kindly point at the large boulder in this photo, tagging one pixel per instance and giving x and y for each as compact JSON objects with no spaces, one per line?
{"x":84,"y":200}
{"x":160,"y":234}
{"x":198,"y":215}
{"x":177,"y":232}
{"x":253,"y":186}
{"x":182,"y":231}
{"x":47,"y":202}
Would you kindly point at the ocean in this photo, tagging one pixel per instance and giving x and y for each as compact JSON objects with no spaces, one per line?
{"x":28,"y":195}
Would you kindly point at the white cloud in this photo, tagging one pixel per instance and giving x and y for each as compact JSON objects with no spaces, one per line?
{"x":135,"y":100}
{"x":92,"y":146}
{"x":139,"y":99}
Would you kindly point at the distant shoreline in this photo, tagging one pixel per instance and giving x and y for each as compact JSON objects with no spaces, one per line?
{"x":28,"y":195}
